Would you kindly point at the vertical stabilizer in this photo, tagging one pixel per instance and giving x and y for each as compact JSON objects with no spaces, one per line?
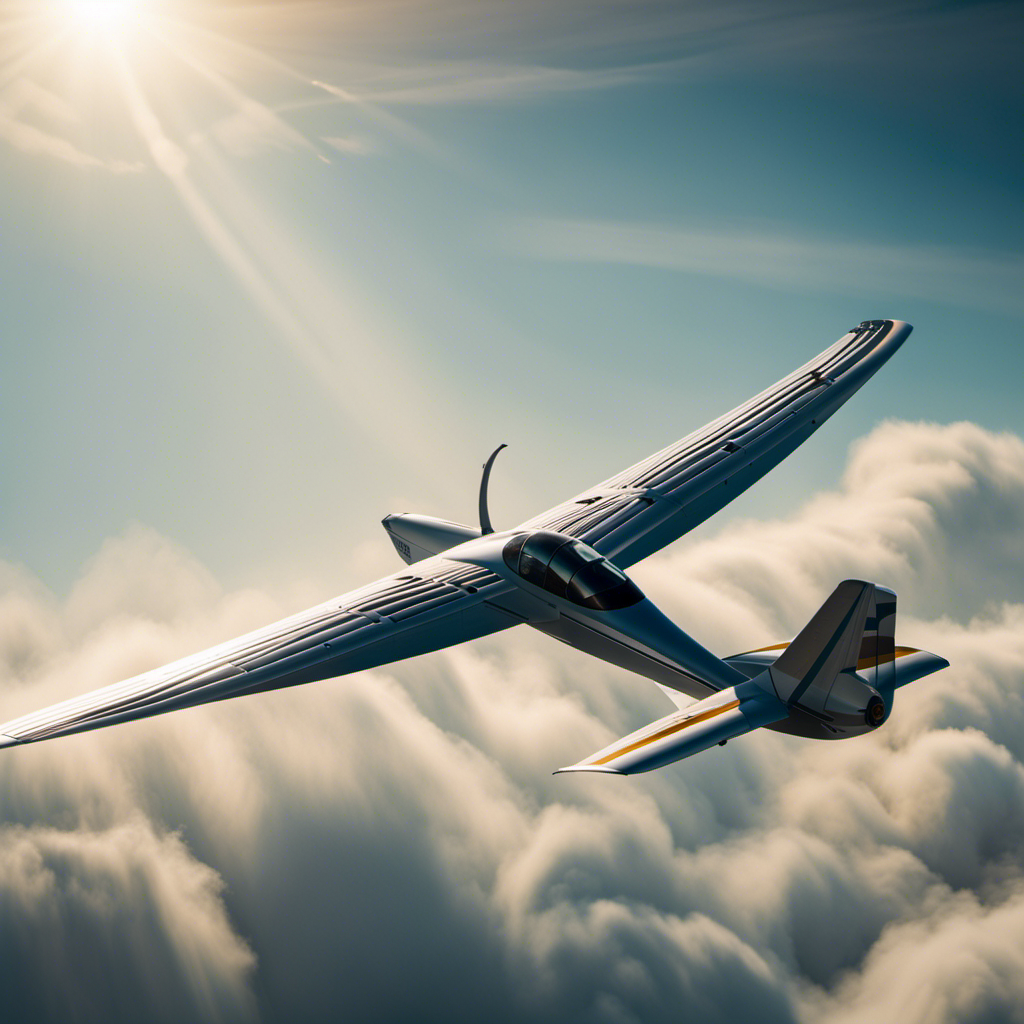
{"x":828,"y":645}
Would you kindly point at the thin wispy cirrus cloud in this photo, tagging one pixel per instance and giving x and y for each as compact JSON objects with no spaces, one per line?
{"x":253,"y":126}
{"x":351,"y":145}
{"x":705,"y":39}
{"x":772,"y":257}
{"x":713,"y":34}
{"x":551,"y":51}
{"x":290,"y":855}
{"x":24,"y":102}
{"x":448,"y":83}
{"x":564,"y":49}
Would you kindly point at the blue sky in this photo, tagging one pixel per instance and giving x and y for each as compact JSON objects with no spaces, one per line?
{"x":581,"y":229}
{"x":272,"y":271}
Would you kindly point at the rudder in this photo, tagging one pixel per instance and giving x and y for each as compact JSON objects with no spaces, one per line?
{"x":876,"y":661}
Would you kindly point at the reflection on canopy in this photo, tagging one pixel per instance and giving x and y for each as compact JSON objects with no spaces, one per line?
{"x":571,"y":570}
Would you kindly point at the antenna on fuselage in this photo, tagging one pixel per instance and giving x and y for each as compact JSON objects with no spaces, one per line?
{"x":485,"y":519}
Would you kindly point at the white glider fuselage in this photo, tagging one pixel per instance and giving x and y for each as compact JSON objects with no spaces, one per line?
{"x":631,"y":628}
{"x":561,"y":572}
{"x":831,"y":696}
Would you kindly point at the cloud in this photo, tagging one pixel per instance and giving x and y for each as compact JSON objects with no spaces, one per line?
{"x":457,"y":82}
{"x":552,"y":49}
{"x":715,"y":36}
{"x":442,"y":54}
{"x":772,"y":258}
{"x":23,"y":96}
{"x":351,"y":145}
{"x":29,"y":623}
{"x":392,"y":845}
{"x":254,"y":128}
{"x":122,"y":902}
{"x":965,"y":965}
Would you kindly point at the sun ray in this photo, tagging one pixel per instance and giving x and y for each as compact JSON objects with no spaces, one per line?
{"x":15,"y":68}
{"x":397,"y":126}
{"x":325,"y":336}
{"x":142,"y":73}
{"x":171,"y":160}
{"x":105,"y":19}
{"x":243,"y":103}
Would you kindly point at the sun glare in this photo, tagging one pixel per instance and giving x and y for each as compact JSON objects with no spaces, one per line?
{"x":130,"y":86}
{"x":108,"y":18}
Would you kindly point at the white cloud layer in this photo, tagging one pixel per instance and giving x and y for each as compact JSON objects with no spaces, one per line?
{"x":392,"y":846}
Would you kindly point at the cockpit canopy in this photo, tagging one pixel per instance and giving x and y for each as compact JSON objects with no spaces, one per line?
{"x":570,"y":569}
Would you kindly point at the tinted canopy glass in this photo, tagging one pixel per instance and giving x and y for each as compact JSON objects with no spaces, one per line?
{"x":571,"y":570}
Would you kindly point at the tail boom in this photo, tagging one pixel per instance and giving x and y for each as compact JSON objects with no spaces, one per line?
{"x":839,"y":675}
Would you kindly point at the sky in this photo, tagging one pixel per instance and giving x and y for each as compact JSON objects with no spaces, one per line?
{"x":270,"y":272}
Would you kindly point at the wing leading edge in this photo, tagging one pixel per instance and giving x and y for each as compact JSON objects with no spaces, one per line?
{"x":638,"y":511}
{"x":436,"y":603}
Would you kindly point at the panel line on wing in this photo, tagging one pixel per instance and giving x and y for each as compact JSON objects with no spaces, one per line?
{"x":678,"y":482}
{"x":299,"y":643}
{"x":719,"y":429}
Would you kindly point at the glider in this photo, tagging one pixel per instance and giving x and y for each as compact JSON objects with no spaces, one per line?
{"x":562,"y":573}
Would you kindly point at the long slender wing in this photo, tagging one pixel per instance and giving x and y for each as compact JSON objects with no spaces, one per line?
{"x":635,"y":513}
{"x":434,"y":604}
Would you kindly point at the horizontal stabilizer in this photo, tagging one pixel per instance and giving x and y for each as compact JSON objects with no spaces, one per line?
{"x":913,"y":665}
{"x":909,"y":663}
{"x":720,"y":717}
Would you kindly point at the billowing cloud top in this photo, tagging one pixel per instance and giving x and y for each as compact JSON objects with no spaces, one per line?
{"x":391,"y":846}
